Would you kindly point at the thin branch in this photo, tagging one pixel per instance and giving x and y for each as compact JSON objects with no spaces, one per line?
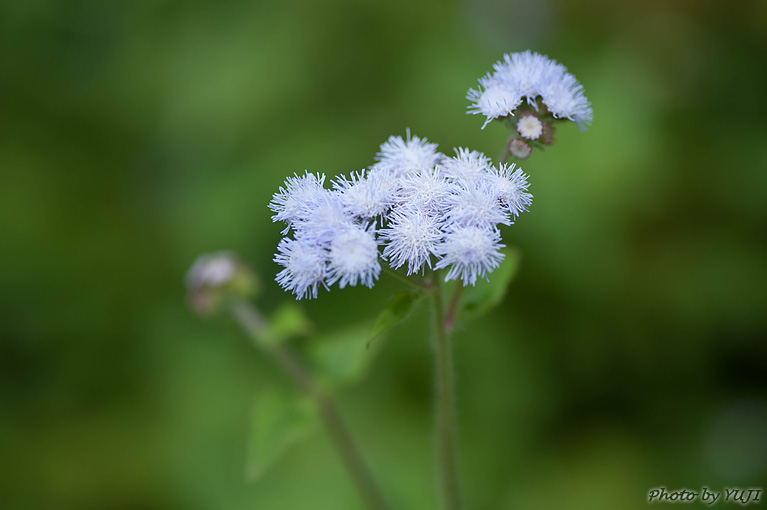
{"x":254,"y":324}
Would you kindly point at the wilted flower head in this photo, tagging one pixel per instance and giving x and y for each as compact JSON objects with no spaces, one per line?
{"x":525,"y":77}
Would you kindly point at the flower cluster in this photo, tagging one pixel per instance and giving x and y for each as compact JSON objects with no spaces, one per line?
{"x":216,"y":278}
{"x":535,"y":88}
{"x":424,"y":208}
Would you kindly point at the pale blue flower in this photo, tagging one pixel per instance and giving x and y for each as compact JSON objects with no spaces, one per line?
{"x":493,"y":99}
{"x":475,"y":204}
{"x":305,"y":264}
{"x":323,"y":219}
{"x":527,"y":72}
{"x":354,"y":257}
{"x":470,"y":252}
{"x":466,"y":165}
{"x":299,"y":195}
{"x":526,"y":76}
{"x":365,"y":194}
{"x":426,"y":190}
{"x":564,"y":98}
{"x":510,"y":187}
{"x":400,"y":156}
{"x":412,"y":237}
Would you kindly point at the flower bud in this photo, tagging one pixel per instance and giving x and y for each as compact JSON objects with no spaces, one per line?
{"x":547,"y":137}
{"x":216,"y":278}
{"x":520,"y":149}
{"x":529,"y":127}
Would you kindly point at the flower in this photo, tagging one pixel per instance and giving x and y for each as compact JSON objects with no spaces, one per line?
{"x":364,"y":195}
{"x":430,"y":208}
{"x":510,"y":187}
{"x":529,"y":127}
{"x":354,"y":257}
{"x":400,"y":156}
{"x":466,"y":165}
{"x":493,"y":99}
{"x":470,"y":252}
{"x":297,"y":197}
{"x":412,"y":237}
{"x":475,"y":204}
{"x":211,"y":270}
{"x":520,"y":149}
{"x":305,"y":266}
{"x":325,"y":216}
{"x":526,"y":76}
{"x":426,"y":190}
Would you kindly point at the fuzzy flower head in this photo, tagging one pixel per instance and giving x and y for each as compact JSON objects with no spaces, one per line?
{"x":324,"y":219}
{"x":466,"y":165}
{"x":299,"y":196}
{"x":493,"y":100}
{"x":412,"y":236}
{"x":476,"y":204}
{"x":470,"y":252}
{"x":365,"y":195}
{"x":510,"y":188}
{"x":401,"y":157}
{"x":426,"y":190}
{"x":305,"y":265}
{"x":525,"y":77}
{"x":354,"y":258}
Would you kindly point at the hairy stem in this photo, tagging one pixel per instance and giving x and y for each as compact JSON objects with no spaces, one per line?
{"x":452,"y":311}
{"x":254,"y":324}
{"x":445,"y":407}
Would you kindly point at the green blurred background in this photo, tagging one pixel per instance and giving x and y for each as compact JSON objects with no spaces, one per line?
{"x":134,"y":135}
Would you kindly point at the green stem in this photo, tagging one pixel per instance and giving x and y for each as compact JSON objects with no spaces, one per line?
{"x":452,"y":311}
{"x":506,"y":152}
{"x":445,"y":407}
{"x":412,"y":282}
{"x":254,"y":323}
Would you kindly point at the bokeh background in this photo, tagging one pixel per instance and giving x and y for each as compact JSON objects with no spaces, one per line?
{"x":134,"y":135}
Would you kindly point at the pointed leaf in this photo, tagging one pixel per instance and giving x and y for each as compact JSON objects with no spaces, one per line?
{"x":485,"y":295}
{"x":342,"y":357}
{"x":279,"y":420}
{"x":287,"y":321}
{"x":394,"y":313}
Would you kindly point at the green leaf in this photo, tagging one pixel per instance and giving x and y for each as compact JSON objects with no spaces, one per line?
{"x":287,"y":321}
{"x":279,"y":420}
{"x":485,"y":295}
{"x":394,"y":313}
{"x":342,"y":357}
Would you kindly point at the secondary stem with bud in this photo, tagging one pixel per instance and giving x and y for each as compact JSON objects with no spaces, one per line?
{"x":255,"y":324}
